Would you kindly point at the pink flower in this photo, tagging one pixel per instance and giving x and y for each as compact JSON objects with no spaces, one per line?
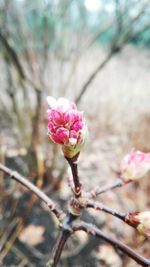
{"x":135,"y":165}
{"x":66,"y":125}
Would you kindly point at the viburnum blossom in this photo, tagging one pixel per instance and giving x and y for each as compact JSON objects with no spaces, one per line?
{"x":66,"y":125}
{"x":135,"y":165}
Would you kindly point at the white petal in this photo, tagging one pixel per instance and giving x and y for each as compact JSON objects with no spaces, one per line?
{"x":72,"y":141}
{"x":63,"y":104}
{"x":52,"y":102}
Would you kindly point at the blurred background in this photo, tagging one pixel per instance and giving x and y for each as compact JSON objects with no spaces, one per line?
{"x":96,"y":53}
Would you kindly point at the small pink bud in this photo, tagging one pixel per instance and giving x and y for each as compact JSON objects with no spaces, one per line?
{"x":66,"y":125}
{"x":135,"y":165}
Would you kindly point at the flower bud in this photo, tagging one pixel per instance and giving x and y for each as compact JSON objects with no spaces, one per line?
{"x":141,"y":221}
{"x":135,"y":165}
{"x":144,"y":223}
{"x":66,"y":125}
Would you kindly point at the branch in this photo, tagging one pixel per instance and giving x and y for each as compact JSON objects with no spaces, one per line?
{"x":22,"y":180}
{"x":99,"y":206}
{"x":74,"y":168}
{"x":115,"y":48}
{"x":16,"y":61}
{"x":125,"y":217}
{"x":57,"y":250}
{"x":102,"y":189}
{"x":70,"y":182}
{"x":66,"y":231}
{"x":13,"y":55}
{"x":94,"y":231}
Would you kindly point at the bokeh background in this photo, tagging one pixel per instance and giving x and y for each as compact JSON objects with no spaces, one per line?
{"x":96,"y":53}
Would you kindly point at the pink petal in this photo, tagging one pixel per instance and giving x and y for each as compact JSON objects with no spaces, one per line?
{"x":62,"y":134}
{"x":70,"y":116}
{"x":73,"y":134}
{"x":56,"y":117}
{"x":77,"y":125}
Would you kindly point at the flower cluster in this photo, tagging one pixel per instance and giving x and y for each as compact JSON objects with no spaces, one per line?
{"x":135,"y":165}
{"x":66,"y":125}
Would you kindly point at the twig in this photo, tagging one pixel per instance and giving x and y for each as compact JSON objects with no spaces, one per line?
{"x":7,"y":232}
{"x":94,"y":231}
{"x":57,"y":250}
{"x":2,"y":159}
{"x":12,"y":239}
{"x":115,"y":47}
{"x":99,"y":206}
{"x":66,"y":231}
{"x":13,"y":55}
{"x":74,"y":168}
{"x":70,"y":182}
{"x":102,"y":189}
{"x":22,"y":180}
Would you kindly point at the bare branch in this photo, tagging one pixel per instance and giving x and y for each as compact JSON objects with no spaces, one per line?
{"x":22,"y":180}
{"x":94,"y":231}
{"x":57,"y":250}
{"x":100,"y":206}
{"x":13,"y":55}
{"x":114,"y":48}
{"x":74,"y":168}
{"x":102,"y":189}
{"x":66,"y":231}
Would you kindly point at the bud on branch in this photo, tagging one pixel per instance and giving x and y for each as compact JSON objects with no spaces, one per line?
{"x":135,"y":165}
{"x":141,"y":221}
{"x":66,"y":125}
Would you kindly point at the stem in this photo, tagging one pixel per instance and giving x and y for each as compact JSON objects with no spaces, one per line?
{"x":66,"y":226}
{"x":100,"y":206}
{"x":57,"y":250}
{"x":125,"y":217}
{"x":22,"y":180}
{"x":99,"y":190}
{"x":94,"y":231}
{"x":74,"y":169}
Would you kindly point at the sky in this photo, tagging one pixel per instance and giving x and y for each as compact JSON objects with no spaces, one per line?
{"x":95,"y":5}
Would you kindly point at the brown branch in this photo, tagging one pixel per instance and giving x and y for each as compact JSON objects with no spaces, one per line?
{"x":13,"y":55}
{"x":125,"y":217}
{"x":57,"y":250}
{"x":22,"y":180}
{"x":66,"y":231}
{"x":94,"y":231}
{"x":102,"y":189}
{"x":74,"y":168}
{"x":70,"y":182}
{"x":115,"y":48}
{"x":16,"y":61}
{"x":99,"y":206}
